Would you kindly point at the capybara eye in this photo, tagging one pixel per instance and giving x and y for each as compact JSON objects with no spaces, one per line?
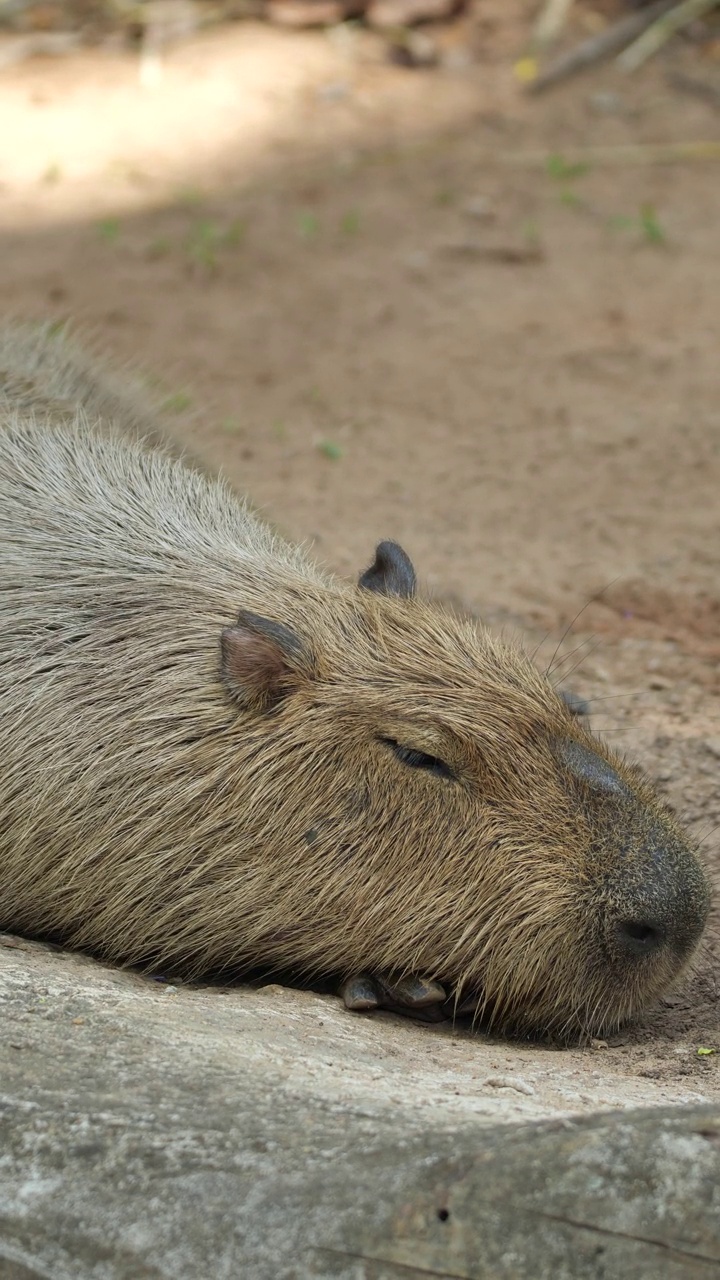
{"x":419,"y":759}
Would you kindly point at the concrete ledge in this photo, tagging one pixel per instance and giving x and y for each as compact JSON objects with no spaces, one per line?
{"x":147,"y":1133}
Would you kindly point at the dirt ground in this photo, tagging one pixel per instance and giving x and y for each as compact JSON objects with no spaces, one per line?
{"x":364,"y":293}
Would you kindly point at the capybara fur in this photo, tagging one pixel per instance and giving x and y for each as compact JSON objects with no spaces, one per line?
{"x":218,"y":757}
{"x":46,"y":372}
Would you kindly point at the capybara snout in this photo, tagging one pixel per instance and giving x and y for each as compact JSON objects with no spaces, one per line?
{"x":650,"y":891}
{"x":217,"y":757}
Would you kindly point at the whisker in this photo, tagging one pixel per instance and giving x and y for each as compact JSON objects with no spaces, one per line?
{"x":539,"y":646}
{"x":596,"y":596}
{"x":555,"y":665}
{"x":633,"y":693}
{"x":701,"y":839}
{"x":565,"y":675}
{"x":565,"y":634}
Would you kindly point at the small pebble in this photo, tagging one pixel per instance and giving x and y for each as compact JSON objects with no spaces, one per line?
{"x":606,"y":103}
{"x":510,"y":1082}
{"x":457,"y":59}
{"x":418,"y":50}
{"x":479,"y":207}
{"x":417,"y":262}
{"x":334,"y":92}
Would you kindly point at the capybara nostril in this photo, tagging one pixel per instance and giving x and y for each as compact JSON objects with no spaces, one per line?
{"x":639,"y":937}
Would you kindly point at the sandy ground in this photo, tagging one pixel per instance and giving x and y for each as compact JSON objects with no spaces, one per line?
{"x":361,"y":293}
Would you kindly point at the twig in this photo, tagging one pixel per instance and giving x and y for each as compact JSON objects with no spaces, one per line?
{"x":666,"y":26}
{"x":698,"y":88}
{"x":632,"y":154}
{"x":550,"y":23}
{"x":609,"y":41}
{"x":508,"y":254}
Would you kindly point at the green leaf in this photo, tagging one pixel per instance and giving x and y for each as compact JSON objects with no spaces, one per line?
{"x":330,"y":450}
{"x":202,"y":243}
{"x":651,"y":225}
{"x":308,"y":224}
{"x":178,"y":403}
{"x":562,"y":169}
{"x":109,"y":229}
{"x":235,"y":233}
{"x":52,"y":174}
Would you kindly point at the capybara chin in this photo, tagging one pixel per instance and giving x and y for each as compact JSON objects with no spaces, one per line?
{"x":217,"y":757}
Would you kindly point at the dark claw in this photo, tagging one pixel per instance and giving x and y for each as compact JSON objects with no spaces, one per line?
{"x":414,"y":997}
{"x":410,"y":993}
{"x":360,"y":993}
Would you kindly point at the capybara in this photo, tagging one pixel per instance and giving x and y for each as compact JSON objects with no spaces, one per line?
{"x":217,"y":757}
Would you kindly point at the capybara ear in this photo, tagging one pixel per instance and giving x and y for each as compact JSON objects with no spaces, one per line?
{"x":391,"y":573}
{"x":261,"y":661}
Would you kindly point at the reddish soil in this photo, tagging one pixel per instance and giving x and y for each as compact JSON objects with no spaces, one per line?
{"x":362,"y":294}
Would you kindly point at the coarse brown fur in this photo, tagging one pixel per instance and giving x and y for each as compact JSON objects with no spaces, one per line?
{"x":46,"y":372}
{"x":202,"y":738}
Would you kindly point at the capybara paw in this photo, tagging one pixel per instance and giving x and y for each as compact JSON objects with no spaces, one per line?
{"x":413,"y":996}
{"x":360,"y":993}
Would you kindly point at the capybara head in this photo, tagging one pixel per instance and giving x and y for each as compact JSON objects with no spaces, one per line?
{"x":446,"y":813}
{"x":216,"y":757}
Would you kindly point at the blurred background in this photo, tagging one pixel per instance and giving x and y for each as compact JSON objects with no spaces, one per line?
{"x":412,"y":268}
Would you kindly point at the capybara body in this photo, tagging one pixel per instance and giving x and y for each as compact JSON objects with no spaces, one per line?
{"x":217,"y":757}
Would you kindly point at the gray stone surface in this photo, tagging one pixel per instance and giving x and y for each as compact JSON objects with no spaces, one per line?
{"x":202,"y":1135}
